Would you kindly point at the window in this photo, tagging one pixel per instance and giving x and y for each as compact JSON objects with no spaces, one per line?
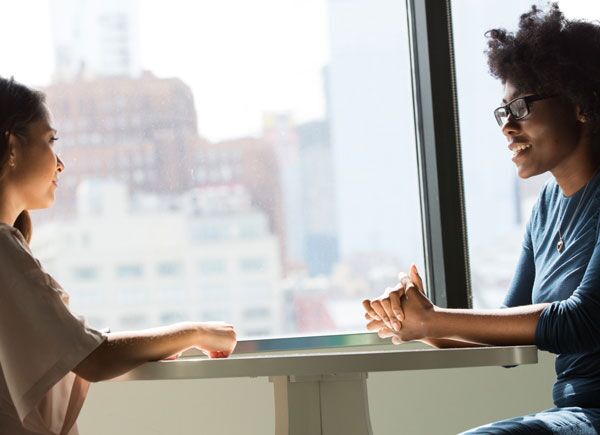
{"x":305,"y":181}
{"x":169,"y":269}
{"x":257,"y":313}
{"x":212,"y":267}
{"x":130,"y":271}
{"x":252,"y":264}
{"x":85,"y":273}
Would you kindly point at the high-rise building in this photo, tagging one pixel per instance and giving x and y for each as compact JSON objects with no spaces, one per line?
{"x":95,"y":39}
{"x":248,"y":162}
{"x":279,"y":130}
{"x":318,"y":209}
{"x":140,"y":131}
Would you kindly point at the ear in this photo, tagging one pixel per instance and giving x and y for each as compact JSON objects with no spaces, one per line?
{"x":14,"y":145}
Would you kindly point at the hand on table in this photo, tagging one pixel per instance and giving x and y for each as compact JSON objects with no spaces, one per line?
{"x":217,"y":339}
{"x":401,"y":312}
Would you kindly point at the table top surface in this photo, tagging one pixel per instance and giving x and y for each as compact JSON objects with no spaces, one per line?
{"x":306,"y":364}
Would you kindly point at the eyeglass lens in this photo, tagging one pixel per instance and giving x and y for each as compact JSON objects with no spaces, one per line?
{"x":518,"y":108}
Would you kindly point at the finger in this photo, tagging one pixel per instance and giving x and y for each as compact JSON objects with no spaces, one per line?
{"x":376,"y":306}
{"x":375,"y":325}
{"x":403,"y":279}
{"x":385,"y":333}
{"x":396,"y":306}
{"x":416,"y":278}
{"x":396,"y":340}
{"x":369,"y":309}
{"x":387,"y":307}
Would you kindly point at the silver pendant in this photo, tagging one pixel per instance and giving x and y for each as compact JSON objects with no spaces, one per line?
{"x":560,"y":245}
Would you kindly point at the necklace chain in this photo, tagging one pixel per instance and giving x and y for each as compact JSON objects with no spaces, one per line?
{"x":561,"y":244}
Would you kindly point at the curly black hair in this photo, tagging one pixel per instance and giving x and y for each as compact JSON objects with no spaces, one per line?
{"x":550,"y":54}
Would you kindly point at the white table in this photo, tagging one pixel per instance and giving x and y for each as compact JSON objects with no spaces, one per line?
{"x":326,"y":393}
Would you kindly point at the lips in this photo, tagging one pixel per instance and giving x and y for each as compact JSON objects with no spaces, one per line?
{"x":519,"y":148}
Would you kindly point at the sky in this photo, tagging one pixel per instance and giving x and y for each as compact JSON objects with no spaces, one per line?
{"x":240,"y":58}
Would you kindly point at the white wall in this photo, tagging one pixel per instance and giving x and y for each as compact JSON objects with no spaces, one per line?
{"x":416,"y":402}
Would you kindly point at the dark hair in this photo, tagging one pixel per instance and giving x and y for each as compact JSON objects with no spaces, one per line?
{"x":551,"y":55}
{"x":19,"y":107}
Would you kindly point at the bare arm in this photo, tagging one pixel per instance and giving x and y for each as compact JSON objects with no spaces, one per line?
{"x":123,"y":351}
{"x":407,"y":314}
{"x":502,"y":327}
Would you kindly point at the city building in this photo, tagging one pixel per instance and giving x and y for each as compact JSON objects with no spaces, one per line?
{"x":141,"y":131}
{"x":249,"y":162}
{"x":132,"y":263}
{"x":95,"y":39}
{"x":318,"y":211}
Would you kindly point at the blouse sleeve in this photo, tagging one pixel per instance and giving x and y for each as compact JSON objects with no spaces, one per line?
{"x":572,"y":325}
{"x":41,"y":341}
{"x":521,"y":286}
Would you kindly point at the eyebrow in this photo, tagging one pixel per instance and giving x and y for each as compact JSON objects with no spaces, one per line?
{"x":53,"y":130}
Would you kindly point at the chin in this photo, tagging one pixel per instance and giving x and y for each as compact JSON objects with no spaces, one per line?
{"x":525,"y":173}
{"x":42,"y":205}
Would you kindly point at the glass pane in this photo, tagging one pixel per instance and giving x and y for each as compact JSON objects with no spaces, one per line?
{"x":251,"y":162}
{"x":498,"y":203}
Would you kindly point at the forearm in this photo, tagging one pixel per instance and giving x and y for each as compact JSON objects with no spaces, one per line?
{"x":123,"y":351}
{"x":502,"y":327}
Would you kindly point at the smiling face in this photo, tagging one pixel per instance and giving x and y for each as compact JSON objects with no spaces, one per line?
{"x":34,"y":176}
{"x":548,"y":138}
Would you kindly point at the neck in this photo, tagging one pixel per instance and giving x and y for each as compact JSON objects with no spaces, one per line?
{"x":576,"y":171}
{"x":9,"y":208}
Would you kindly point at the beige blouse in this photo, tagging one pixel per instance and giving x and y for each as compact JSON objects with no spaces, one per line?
{"x":41,"y":341}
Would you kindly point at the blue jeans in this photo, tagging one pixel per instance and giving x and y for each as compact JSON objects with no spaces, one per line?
{"x":556,"y":421}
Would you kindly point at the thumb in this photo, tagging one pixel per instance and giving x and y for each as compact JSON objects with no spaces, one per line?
{"x":416,"y":278}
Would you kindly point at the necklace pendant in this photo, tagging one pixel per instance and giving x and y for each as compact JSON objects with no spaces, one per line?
{"x":560,"y":245}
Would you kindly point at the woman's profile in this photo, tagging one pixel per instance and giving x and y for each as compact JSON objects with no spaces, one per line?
{"x":48,"y":355}
{"x":550,"y":117}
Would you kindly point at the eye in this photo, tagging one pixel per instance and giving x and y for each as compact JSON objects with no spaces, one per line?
{"x":53,"y":139}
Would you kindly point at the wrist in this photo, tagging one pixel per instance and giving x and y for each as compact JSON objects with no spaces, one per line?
{"x":432,"y":323}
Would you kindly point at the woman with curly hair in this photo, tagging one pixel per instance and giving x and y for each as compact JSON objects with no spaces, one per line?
{"x":49,"y":356}
{"x":550,"y":116}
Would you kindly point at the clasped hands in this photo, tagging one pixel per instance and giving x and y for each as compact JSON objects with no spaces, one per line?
{"x":402,"y":312}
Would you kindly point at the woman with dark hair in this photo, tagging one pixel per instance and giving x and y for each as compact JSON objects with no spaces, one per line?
{"x":48,"y":356}
{"x":550,"y":116}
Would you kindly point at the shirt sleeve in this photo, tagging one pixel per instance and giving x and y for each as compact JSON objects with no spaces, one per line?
{"x":573,"y":325}
{"x":41,"y":341}
{"x":521,"y":286}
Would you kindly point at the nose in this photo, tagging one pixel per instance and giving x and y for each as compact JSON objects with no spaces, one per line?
{"x":511,"y":127}
{"x":60,"y":166}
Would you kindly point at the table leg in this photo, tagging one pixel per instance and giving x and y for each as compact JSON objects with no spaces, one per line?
{"x":322,"y":405}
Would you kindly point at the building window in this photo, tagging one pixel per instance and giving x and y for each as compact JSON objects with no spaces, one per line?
{"x":257,"y":313}
{"x":212,"y":267}
{"x":252,"y":264}
{"x":130,"y":271}
{"x":85,"y":273}
{"x":169,"y":269}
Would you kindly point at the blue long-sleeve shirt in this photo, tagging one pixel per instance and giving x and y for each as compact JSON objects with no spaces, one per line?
{"x":570,"y":282}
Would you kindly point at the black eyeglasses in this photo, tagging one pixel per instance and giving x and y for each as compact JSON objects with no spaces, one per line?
{"x":518,"y":108}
